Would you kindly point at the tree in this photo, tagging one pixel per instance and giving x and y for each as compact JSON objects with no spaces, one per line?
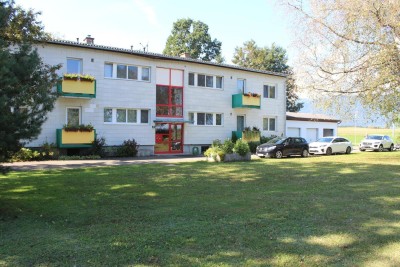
{"x":351,"y":49}
{"x":272,"y":58}
{"x":188,"y":36}
{"x":26,"y":83}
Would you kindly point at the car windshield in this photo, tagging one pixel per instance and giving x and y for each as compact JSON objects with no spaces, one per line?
{"x":374,"y":137}
{"x":276,"y":141}
{"x":325,"y":140}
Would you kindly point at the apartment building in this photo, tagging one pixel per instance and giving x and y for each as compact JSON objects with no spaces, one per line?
{"x":169,"y":105}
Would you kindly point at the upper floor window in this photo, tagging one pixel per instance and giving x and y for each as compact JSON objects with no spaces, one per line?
{"x":241,"y":85}
{"x":128,"y":72}
{"x":269,"y":91}
{"x":203,"y":80}
{"x":74,"y":65}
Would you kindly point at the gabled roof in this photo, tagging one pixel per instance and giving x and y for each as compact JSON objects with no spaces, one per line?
{"x":158,"y":56}
{"x":294,"y":116}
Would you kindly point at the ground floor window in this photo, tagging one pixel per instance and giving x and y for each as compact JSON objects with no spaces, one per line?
{"x":328,"y":132}
{"x":207,"y":119}
{"x":73,"y":116}
{"x":126,"y":116}
{"x":269,"y":124}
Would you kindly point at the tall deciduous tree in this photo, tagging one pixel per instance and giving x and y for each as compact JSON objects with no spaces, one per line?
{"x":351,"y":49}
{"x":272,"y":58}
{"x":26,"y":83}
{"x":189,"y":36}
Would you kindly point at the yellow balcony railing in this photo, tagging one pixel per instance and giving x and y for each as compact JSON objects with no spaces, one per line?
{"x":243,"y":101}
{"x":75,"y":139}
{"x":77,"y":88}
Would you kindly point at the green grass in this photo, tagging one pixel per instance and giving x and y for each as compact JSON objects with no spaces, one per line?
{"x":320,"y":211}
{"x":356,"y":134}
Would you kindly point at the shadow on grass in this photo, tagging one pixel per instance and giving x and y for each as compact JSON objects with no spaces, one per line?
{"x":338,"y":210}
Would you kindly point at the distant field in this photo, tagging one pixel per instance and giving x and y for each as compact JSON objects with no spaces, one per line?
{"x":355,"y":135}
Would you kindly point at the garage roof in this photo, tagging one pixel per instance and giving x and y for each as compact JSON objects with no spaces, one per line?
{"x":294,"y":116}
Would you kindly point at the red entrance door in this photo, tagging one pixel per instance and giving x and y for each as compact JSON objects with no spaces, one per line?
{"x":169,"y":138}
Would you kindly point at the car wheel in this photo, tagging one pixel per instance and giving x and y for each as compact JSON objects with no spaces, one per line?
{"x":380,"y":149}
{"x":329,"y":151}
{"x":348,"y":150}
{"x":391,"y":148}
{"x":304,"y":153}
{"x":278,"y":154}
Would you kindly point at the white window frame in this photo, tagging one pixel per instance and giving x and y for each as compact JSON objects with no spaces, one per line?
{"x":269,"y":92}
{"x":269,"y":123}
{"x":139,"y":74}
{"x":80,"y":65}
{"x":138,"y":116}
{"x":243,"y":90}
{"x":214,"y":114}
{"x":196,"y":79}
{"x":80,"y":114}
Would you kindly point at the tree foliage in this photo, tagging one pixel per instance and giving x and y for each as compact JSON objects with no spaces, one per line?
{"x":272,"y":58}
{"x":351,"y":49}
{"x":26,"y":83}
{"x":189,"y":36}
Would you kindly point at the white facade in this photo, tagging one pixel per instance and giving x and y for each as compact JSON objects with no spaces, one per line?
{"x":310,"y":126}
{"x":114,"y":93}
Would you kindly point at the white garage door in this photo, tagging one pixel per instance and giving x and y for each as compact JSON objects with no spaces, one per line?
{"x":293,"y":132}
{"x":312,"y":134}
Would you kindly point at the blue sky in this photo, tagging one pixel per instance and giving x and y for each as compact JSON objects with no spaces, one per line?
{"x":122,"y":23}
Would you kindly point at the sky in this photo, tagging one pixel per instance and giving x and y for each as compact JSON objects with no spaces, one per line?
{"x":139,"y":23}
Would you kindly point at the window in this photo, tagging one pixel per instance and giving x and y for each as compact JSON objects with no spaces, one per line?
{"x":124,"y":115}
{"x":73,"y":116}
{"x":269,"y":91}
{"x":269,"y":124}
{"x":327,"y":132}
{"x":74,"y":65}
{"x":169,"y":101}
{"x":241,"y":85}
{"x":191,"y":78}
{"x":108,"y":70}
{"x":202,"y":118}
{"x":202,"y":80}
{"x":128,"y":72}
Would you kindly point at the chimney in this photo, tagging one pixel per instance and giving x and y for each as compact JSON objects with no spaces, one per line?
{"x":89,"y":39}
{"x":185,"y":55}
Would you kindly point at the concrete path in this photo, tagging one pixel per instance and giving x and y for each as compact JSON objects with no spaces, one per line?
{"x":72,"y":164}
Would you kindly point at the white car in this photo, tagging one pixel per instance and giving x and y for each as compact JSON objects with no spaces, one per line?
{"x":377,"y":142}
{"x":330,"y":145}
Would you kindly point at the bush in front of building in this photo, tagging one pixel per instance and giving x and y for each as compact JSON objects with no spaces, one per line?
{"x":129,"y":148}
{"x":241,"y":147}
{"x":24,"y":154}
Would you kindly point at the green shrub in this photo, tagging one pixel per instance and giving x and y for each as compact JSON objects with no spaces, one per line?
{"x":227,"y":146}
{"x":98,"y":147}
{"x":129,"y":148}
{"x":48,"y":151}
{"x":253,"y":146}
{"x":234,"y":137}
{"x":241,"y":147}
{"x":265,"y":139}
{"x":215,"y":151}
{"x":25,"y":154}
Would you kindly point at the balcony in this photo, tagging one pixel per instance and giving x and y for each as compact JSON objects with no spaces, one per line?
{"x":77,"y":88}
{"x":246,"y":101}
{"x":75,"y":139}
{"x":248,"y":136}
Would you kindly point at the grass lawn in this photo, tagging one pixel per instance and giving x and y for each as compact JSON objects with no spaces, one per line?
{"x":355,"y":135}
{"x":339,"y":210}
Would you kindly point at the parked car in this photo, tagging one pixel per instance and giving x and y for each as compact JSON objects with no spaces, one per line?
{"x":283,"y":146}
{"x":331,"y":145}
{"x":377,"y":142}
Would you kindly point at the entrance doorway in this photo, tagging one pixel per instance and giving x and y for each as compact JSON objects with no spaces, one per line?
{"x":169,"y":138}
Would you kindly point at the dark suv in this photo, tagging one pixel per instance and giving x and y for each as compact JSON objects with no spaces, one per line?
{"x":283,"y":146}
